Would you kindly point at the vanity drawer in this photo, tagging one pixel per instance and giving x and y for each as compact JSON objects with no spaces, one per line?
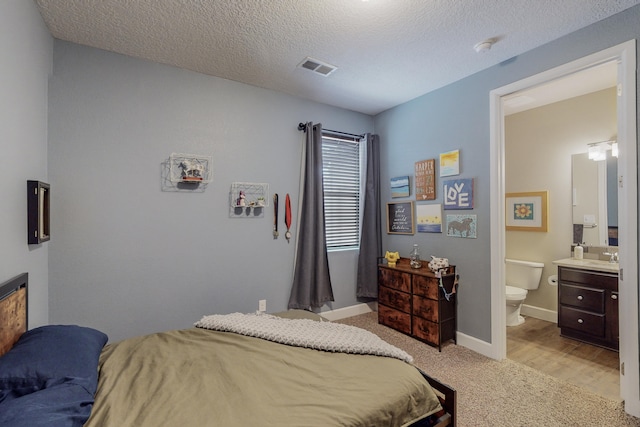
{"x":581,"y":297}
{"x":394,"y":279}
{"x":597,"y":279}
{"x":582,"y":321}
{"x":394,"y":298}
{"x":394,"y":319}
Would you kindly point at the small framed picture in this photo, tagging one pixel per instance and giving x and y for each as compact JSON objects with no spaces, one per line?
{"x":400,"y":186}
{"x":458,"y":193}
{"x":425,"y":179}
{"x":429,"y":218}
{"x":400,"y":218}
{"x":527,"y":211}
{"x":450,"y":163}
{"x":462,"y":225}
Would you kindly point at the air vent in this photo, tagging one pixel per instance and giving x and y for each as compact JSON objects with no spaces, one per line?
{"x":316,"y":66}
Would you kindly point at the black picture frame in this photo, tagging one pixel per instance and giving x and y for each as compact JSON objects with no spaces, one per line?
{"x":38,"y":212}
{"x":400,"y":218}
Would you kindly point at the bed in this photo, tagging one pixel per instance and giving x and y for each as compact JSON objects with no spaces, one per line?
{"x":67,"y":375}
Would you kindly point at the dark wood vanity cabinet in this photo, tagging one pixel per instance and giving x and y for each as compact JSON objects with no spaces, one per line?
{"x":588,"y":306}
{"x":411,"y":301}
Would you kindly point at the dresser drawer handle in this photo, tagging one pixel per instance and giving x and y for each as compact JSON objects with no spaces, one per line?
{"x":580,"y":298}
{"x":614,"y":296}
{"x":580,"y":321}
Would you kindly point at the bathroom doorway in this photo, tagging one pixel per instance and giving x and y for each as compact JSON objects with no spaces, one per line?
{"x":575,"y":111}
{"x":624,"y":57}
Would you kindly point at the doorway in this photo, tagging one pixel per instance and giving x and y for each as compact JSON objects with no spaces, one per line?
{"x":624,"y":55}
{"x":547,"y":136}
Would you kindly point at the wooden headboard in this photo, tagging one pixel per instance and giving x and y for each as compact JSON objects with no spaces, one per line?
{"x":13,"y":311}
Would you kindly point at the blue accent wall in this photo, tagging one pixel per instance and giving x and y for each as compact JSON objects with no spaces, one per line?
{"x":129,"y":258}
{"x":457,"y":117}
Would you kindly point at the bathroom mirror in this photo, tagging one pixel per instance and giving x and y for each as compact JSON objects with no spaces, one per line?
{"x":595,"y":200}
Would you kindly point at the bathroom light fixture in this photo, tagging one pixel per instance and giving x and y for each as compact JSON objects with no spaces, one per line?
{"x":598,"y":150}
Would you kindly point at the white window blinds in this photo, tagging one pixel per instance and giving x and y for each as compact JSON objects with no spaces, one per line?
{"x":341,"y":179}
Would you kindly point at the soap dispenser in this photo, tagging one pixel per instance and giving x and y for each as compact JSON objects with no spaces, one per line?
{"x":578,"y":251}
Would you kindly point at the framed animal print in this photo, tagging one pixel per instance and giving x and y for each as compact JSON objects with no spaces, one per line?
{"x":462,"y":226}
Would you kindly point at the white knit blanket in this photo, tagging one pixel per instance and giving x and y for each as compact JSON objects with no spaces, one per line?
{"x":327,"y":336}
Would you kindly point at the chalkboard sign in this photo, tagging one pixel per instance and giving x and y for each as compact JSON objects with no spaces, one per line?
{"x":400,"y":218}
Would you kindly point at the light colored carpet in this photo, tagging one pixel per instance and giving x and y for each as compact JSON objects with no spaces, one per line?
{"x":505,"y":393}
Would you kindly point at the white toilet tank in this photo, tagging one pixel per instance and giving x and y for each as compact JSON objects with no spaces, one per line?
{"x":523,"y":274}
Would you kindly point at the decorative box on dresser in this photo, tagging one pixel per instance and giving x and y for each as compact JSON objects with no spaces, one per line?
{"x":411,"y":301}
{"x":588,"y":306}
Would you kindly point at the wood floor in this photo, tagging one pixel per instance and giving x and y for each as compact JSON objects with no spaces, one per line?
{"x":538,"y":344}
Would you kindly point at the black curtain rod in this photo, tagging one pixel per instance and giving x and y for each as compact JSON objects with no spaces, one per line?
{"x":301,"y":126}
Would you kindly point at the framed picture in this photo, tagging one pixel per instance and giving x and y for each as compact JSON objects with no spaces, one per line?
{"x":450,"y":163}
{"x":458,"y":193}
{"x":400,"y":186}
{"x":429,"y":218}
{"x":462,"y":225}
{"x":527,"y":211}
{"x":426,"y":179}
{"x":400,"y":218}
{"x":38,"y":208}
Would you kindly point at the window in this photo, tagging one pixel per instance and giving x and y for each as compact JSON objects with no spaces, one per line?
{"x":341,"y":159}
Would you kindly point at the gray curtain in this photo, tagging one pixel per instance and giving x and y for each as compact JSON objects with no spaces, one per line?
{"x":371,"y":235}
{"x":311,"y":282}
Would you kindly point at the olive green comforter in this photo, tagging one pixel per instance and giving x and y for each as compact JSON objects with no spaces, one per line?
{"x":198,"y":377}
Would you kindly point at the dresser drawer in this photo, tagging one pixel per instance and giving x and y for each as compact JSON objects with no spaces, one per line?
{"x":582,"y":321}
{"x":394,"y":299}
{"x":425,"y":308}
{"x":394,"y":319}
{"x":584,"y":298}
{"x":410,"y":301}
{"x":426,"y":330}
{"x":426,"y":286}
{"x":394,"y":279}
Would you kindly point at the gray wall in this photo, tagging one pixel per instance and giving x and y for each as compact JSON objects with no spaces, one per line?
{"x":129,"y":258}
{"x":457,"y":117}
{"x":25,"y":63}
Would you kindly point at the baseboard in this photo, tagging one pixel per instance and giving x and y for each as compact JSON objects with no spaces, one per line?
{"x":464,"y":340}
{"x":353,"y":310}
{"x":539,"y":313}
{"x":479,"y":346}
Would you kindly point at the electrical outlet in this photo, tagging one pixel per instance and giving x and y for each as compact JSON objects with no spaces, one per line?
{"x":262,"y":305}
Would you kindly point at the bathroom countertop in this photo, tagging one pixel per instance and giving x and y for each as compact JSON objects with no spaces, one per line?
{"x":589,"y":264}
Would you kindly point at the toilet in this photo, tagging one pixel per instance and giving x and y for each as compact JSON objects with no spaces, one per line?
{"x":520,"y":277}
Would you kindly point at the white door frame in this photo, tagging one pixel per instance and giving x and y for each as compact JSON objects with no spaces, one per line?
{"x":625,"y":55}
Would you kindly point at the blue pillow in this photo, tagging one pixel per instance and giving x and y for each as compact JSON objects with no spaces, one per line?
{"x":63,"y":405}
{"x":51,"y":355}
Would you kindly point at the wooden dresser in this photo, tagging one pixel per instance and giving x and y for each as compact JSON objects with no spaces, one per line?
{"x":588,"y":306}
{"x":411,"y":301}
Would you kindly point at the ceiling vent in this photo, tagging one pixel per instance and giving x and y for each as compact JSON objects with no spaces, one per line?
{"x":316,"y":66}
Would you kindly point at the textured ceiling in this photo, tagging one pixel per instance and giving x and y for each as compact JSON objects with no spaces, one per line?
{"x":387,"y":51}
